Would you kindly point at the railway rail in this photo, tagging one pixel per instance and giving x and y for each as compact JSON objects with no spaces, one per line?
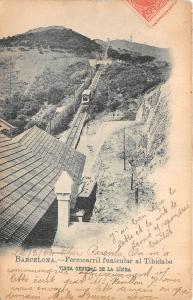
{"x":76,"y":128}
{"x":80,"y":117}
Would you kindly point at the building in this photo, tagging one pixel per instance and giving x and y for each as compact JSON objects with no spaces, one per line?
{"x":5,"y":126}
{"x":30,"y":165}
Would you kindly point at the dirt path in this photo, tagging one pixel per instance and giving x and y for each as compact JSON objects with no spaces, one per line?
{"x":115,"y":200}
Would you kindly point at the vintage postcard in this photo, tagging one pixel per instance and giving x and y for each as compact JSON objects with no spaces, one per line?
{"x":95,"y":150}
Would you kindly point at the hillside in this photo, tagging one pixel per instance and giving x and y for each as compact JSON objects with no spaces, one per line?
{"x":42,"y":65}
{"x":30,"y":78}
{"x":141,"y":49}
{"x":123,"y":84}
{"x":53,"y":37}
{"x":46,"y":66}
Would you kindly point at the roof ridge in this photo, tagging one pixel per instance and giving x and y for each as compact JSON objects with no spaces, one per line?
{"x":59,"y":142}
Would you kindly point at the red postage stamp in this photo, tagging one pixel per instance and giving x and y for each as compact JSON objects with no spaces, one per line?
{"x":151,"y":10}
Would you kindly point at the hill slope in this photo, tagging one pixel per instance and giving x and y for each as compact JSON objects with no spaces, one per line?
{"x":53,"y":37}
{"x":49,"y":64}
{"x":125,"y":46}
{"x":142,"y":49}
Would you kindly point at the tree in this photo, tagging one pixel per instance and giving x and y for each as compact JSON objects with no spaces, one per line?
{"x":55,"y":95}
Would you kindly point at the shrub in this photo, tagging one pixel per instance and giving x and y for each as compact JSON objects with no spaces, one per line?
{"x":55,"y":95}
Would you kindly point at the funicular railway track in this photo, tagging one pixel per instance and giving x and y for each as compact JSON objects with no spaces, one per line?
{"x":76,"y":128}
{"x":77,"y":125}
{"x":79,"y":120}
{"x":97,"y":77}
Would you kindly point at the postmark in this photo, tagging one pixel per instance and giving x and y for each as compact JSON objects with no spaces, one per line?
{"x":151,"y":10}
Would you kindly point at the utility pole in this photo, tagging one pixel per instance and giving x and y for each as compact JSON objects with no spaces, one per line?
{"x":124,"y":150}
{"x":91,"y":74}
{"x":132,"y":173}
{"x":137,"y":195}
{"x":74,"y":102}
{"x":132,"y":180}
{"x":50,"y":125}
{"x":10,"y":80}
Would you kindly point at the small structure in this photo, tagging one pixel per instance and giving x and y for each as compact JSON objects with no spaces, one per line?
{"x":6,"y":127}
{"x":86,"y":200}
{"x":79,"y":214}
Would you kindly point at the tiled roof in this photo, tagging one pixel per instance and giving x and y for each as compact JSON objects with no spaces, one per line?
{"x":53,"y":151}
{"x":29,"y":170}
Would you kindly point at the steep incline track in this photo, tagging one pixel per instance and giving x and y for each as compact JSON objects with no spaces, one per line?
{"x":80,"y":117}
{"x":76,"y":128}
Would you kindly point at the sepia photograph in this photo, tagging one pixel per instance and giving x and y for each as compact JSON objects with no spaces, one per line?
{"x":95,"y":149}
{"x":83,"y":122}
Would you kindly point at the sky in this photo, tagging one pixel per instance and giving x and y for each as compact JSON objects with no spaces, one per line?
{"x":97,"y":19}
